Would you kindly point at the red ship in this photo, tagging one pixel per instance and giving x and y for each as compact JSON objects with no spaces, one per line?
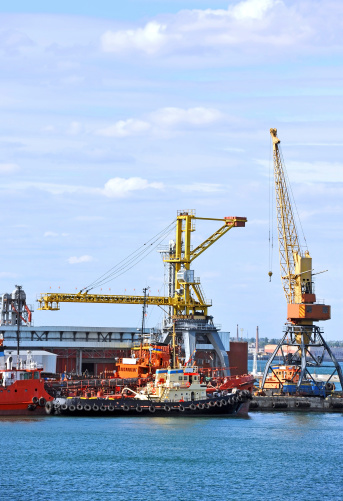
{"x":22,"y":389}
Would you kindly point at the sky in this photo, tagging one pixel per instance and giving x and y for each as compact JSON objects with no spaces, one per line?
{"x":115,"y":115}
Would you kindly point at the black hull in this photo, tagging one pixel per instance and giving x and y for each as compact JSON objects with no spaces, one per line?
{"x":225,"y":405}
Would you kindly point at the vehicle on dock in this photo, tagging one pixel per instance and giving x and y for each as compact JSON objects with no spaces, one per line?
{"x":285,"y":378}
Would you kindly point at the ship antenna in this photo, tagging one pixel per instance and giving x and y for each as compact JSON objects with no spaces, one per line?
{"x":145,"y":290}
{"x":174,"y":346}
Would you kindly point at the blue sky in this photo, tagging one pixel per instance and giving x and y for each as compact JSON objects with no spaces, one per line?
{"x":115,"y":117}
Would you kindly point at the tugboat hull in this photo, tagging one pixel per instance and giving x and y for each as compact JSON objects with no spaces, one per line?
{"x":224,"y":405}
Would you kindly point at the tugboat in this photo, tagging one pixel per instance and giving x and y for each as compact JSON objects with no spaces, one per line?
{"x":22,"y":389}
{"x":178,"y":390}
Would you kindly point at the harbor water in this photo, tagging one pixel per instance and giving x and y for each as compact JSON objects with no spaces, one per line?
{"x":279,"y":457}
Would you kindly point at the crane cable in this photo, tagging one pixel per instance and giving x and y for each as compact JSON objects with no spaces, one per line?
{"x":271,"y":215}
{"x":293,"y":203}
{"x":132,"y":259}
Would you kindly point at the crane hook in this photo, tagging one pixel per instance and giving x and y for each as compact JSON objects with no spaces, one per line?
{"x":270,"y":273}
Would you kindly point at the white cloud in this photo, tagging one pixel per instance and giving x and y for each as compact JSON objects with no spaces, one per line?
{"x":12,"y":41}
{"x":252,"y":9}
{"x":194,"y":116}
{"x":251,"y":25}
{"x":148,"y":39}
{"x":162,"y":118}
{"x":114,"y":188}
{"x":74,"y":128}
{"x":81,"y":259}
{"x":310,"y":172}
{"x":8,"y":168}
{"x":201,"y":187}
{"x":54,"y":234}
{"x":120,"y":187}
{"x":124,"y":128}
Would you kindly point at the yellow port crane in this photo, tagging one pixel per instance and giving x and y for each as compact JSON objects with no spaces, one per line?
{"x":188,"y":299}
{"x":301,"y":334}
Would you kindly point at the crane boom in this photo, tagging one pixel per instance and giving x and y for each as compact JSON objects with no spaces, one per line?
{"x":183,"y":301}
{"x":289,"y":247}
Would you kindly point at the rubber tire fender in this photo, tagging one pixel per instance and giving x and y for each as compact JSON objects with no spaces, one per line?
{"x":126,"y":407}
{"x":110,"y":408}
{"x":193,"y":407}
{"x":224,"y":401}
{"x":95,"y":407}
{"x":103,"y":408}
{"x":152,"y":408}
{"x":35,"y":400}
{"x":72,"y":408}
{"x":64,"y":407}
{"x":79,"y":407}
{"x":139,"y":408}
{"x":49,"y":407}
{"x":87,"y":407}
{"x":201,"y":406}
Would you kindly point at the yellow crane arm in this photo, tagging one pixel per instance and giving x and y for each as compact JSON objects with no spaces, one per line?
{"x":230,"y":222}
{"x":51,"y":301}
{"x":289,"y":247}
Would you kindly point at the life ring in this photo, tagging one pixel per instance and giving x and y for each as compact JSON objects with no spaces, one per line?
{"x":72,"y":408}
{"x":167,"y":408}
{"x":79,"y":407}
{"x":152,"y":408}
{"x":95,"y":407}
{"x":87,"y":407}
{"x":35,"y":400}
{"x":126,"y":408}
{"x":103,"y":408}
{"x":111,"y":408}
{"x":42,"y":401}
{"x":64,"y":407}
{"x":139,"y":408}
{"x":201,"y":406}
{"x":193,"y":407}
{"x":49,"y":407}
{"x":161,"y":380}
{"x":181,"y":408}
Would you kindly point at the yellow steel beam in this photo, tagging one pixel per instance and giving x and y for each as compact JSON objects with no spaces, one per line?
{"x":51,"y":301}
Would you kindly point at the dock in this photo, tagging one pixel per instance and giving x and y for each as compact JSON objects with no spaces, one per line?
{"x":285,"y":403}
